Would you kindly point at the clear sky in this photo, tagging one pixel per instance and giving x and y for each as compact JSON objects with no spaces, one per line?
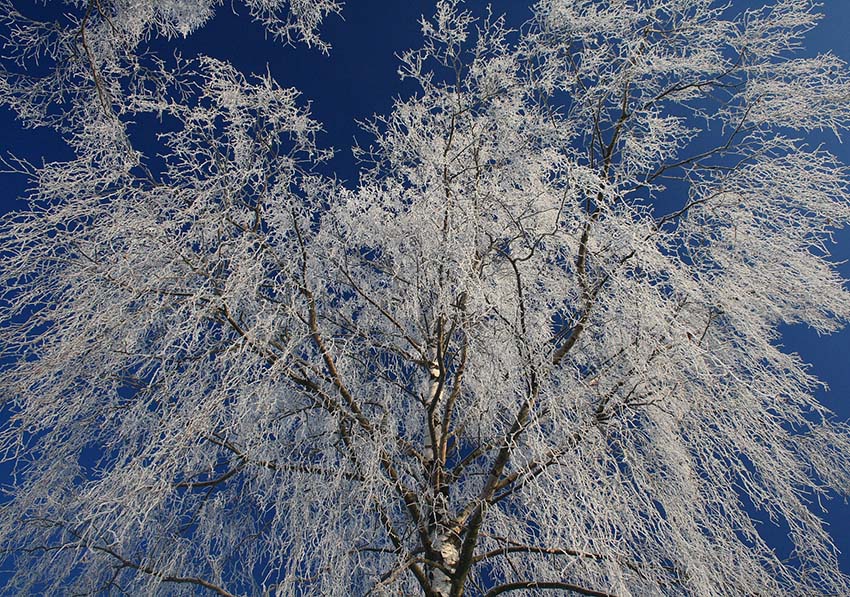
{"x":359,"y":79}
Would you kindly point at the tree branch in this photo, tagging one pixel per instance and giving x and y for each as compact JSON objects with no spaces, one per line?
{"x":558,"y":586}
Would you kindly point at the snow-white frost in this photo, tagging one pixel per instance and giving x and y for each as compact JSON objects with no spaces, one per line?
{"x":533,"y":351}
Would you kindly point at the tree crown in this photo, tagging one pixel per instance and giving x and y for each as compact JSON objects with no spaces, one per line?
{"x":534,"y":348}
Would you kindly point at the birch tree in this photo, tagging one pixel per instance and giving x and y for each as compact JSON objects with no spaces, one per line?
{"x":534,"y":350}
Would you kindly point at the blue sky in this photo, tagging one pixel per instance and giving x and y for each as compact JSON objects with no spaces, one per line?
{"x":359,"y":78}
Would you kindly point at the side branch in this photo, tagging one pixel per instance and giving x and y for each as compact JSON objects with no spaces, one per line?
{"x":557,"y":586}
{"x":162,"y":577}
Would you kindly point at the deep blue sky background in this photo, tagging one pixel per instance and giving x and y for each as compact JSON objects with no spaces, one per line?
{"x":359,"y":78}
